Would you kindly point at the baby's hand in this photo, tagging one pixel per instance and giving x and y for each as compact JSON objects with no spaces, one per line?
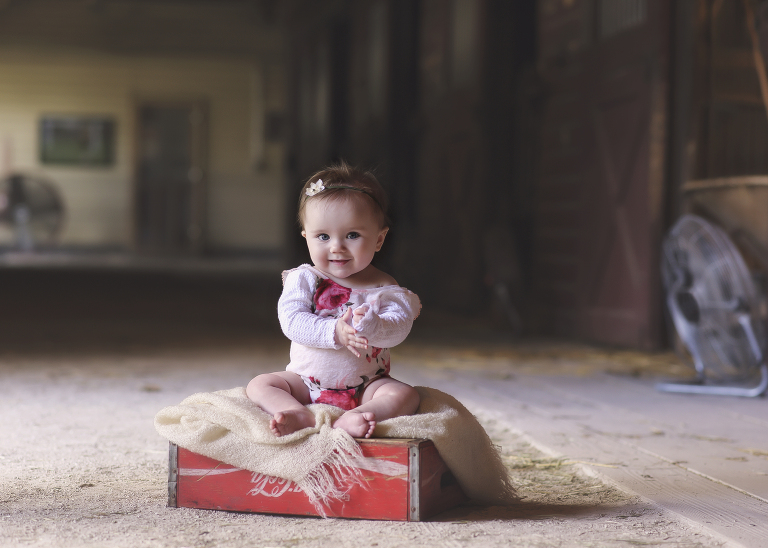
{"x":357,"y":315}
{"x":347,"y":336}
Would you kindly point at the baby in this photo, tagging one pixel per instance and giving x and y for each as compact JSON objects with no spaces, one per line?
{"x":342,"y":314}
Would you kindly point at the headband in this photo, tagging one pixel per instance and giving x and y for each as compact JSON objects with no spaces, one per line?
{"x":317,"y":187}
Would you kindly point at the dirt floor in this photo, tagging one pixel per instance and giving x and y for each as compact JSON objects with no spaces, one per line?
{"x":81,"y":463}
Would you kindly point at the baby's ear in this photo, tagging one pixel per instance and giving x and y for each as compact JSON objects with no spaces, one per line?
{"x":303,"y":233}
{"x":380,"y":239}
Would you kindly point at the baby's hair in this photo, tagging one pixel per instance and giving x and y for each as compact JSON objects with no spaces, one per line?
{"x":344,"y":182}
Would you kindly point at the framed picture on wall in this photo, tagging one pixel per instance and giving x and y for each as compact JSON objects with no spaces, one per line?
{"x":77,"y":140}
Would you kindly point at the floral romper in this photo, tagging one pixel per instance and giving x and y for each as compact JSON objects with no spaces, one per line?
{"x":308,"y":310}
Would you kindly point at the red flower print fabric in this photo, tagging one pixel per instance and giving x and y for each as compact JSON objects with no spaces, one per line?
{"x":381,"y":358}
{"x":375,"y":351}
{"x":340,"y":398}
{"x":330,"y":295}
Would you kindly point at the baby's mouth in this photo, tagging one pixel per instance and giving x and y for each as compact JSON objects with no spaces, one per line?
{"x":338,"y":262}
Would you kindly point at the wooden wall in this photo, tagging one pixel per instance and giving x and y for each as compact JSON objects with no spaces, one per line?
{"x":727,"y":138}
{"x":104,"y":58}
{"x":427,"y":94}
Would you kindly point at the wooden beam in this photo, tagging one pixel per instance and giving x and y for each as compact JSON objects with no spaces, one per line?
{"x":757,"y":52}
{"x":725,"y":183}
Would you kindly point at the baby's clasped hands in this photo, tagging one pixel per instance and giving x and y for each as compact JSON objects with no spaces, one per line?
{"x":346,"y":335}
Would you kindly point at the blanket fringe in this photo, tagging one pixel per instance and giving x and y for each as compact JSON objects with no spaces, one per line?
{"x":336,"y":477}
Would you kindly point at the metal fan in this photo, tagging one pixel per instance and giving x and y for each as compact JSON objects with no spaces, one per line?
{"x":716,"y":310}
{"x":33,"y":208}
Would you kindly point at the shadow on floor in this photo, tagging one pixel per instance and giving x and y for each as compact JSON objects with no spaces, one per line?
{"x":85,"y":311}
{"x":538,"y":511}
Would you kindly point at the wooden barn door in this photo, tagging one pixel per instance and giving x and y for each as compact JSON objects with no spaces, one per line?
{"x":602,"y":169}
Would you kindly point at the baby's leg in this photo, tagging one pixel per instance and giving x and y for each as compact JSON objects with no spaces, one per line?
{"x":284,"y":396}
{"x":383,"y":399}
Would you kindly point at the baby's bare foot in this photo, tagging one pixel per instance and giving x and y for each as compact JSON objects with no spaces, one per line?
{"x":357,"y":424}
{"x":290,"y":421}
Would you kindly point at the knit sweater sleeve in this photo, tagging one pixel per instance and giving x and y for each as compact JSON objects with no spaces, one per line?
{"x":389,"y":317}
{"x":294,"y":311}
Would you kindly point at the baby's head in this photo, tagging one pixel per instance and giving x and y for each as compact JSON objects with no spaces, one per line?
{"x":343,"y":183}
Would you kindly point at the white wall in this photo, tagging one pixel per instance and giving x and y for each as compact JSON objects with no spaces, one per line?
{"x":245,"y":206}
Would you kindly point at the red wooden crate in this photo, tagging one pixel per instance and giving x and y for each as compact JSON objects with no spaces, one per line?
{"x":406,"y":481}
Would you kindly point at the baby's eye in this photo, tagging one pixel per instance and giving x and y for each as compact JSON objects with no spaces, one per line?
{"x":353,"y":235}
{"x":323,"y":237}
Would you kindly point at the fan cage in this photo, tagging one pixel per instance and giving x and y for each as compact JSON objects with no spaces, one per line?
{"x":713,"y":302}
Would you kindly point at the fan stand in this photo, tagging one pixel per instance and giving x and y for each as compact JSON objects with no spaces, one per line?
{"x":698,"y":387}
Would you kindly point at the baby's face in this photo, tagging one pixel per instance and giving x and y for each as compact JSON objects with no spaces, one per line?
{"x":342,"y":236}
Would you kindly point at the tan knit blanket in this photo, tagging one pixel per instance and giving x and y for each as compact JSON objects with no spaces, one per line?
{"x":229,"y":427}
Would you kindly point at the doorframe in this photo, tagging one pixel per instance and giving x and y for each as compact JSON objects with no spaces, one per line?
{"x":199,"y":156}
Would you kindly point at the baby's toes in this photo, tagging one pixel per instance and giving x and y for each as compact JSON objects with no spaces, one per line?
{"x":371,"y":418}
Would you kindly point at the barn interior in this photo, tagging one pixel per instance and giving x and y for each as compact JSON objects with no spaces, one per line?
{"x":536,"y":154}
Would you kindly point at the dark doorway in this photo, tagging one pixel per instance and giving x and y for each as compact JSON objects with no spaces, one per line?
{"x":171,"y":174}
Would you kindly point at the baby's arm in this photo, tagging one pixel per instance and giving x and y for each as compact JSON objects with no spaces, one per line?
{"x":301,"y":325}
{"x":294,"y":310}
{"x":387,"y":321}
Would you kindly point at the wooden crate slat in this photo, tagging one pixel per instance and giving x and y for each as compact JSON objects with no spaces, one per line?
{"x":406,"y":480}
